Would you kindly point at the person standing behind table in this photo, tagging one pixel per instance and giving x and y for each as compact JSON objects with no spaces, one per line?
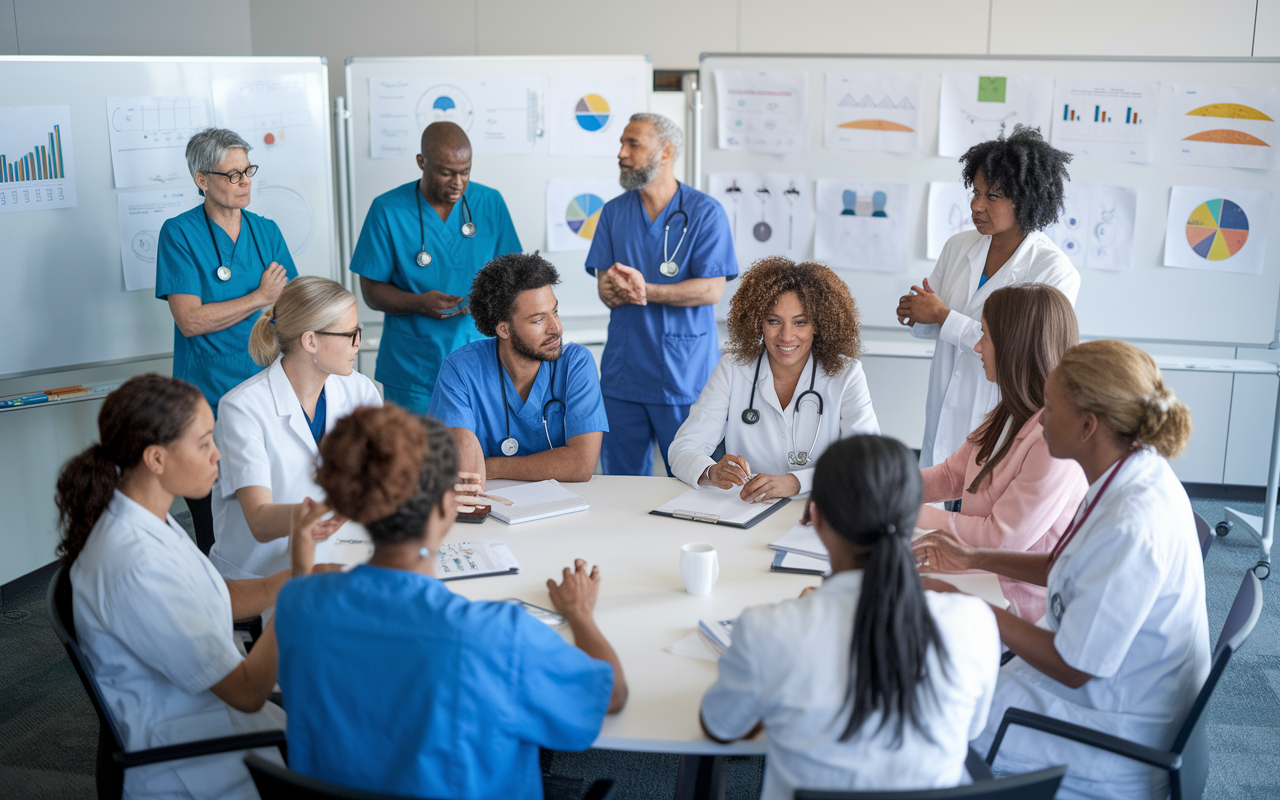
{"x":418,"y":250}
{"x":661,"y":254}
{"x":1017,"y":191}
{"x":217,"y":265}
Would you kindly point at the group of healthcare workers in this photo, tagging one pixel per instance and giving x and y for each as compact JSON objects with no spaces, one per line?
{"x":1051,"y":456}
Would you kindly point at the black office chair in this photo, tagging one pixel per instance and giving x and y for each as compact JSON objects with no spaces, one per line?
{"x":1206,"y":535}
{"x":275,"y":782}
{"x":113,"y":760}
{"x":1187,"y":762}
{"x":1042,"y":785}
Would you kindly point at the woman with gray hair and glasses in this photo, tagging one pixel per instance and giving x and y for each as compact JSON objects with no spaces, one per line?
{"x":218,"y":265}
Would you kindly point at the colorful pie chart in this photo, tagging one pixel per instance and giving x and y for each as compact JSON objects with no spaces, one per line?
{"x":583,"y":214}
{"x":1217,"y":229}
{"x":592,"y":112}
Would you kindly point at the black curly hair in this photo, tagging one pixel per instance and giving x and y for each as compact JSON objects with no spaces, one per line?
{"x":496,"y":287}
{"x":1027,"y":170}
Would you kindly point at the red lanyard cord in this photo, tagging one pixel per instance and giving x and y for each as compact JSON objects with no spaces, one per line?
{"x":1074,"y":529}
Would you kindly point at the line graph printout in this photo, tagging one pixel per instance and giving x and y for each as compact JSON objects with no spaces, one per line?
{"x":500,"y":114}
{"x":1108,"y":119}
{"x":978,"y":108}
{"x":37,"y":164}
{"x":149,"y":138}
{"x":141,"y":216}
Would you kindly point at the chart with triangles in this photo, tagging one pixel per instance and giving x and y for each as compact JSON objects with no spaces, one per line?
{"x":873,"y":111}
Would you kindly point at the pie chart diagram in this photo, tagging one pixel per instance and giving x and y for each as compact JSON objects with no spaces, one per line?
{"x":592,"y":113}
{"x":445,"y":103}
{"x":1217,"y":229}
{"x":583,"y":214}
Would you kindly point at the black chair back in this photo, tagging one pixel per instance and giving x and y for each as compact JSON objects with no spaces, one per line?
{"x":1039,"y":785}
{"x":1206,"y":535}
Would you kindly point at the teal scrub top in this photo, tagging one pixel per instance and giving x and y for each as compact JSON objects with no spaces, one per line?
{"x":414,"y":345}
{"x":187,"y":264}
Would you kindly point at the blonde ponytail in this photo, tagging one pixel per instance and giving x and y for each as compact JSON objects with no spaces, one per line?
{"x":263,"y":347}
{"x":309,"y":303}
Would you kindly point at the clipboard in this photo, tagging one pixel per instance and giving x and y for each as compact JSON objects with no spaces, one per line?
{"x":718,"y":507}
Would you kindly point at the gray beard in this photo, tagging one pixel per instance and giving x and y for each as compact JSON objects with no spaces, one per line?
{"x":633,"y":179}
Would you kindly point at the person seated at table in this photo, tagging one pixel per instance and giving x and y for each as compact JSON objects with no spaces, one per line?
{"x":393,"y":683}
{"x":869,"y":682}
{"x":1015,"y":495}
{"x":521,"y":404}
{"x":1124,"y":644}
{"x":152,"y":615}
{"x":270,"y":425}
{"x":792,"y":361}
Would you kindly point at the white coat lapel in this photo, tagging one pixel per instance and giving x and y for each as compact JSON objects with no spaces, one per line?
{"x":977,"y":261}
{"x":288,"y":405}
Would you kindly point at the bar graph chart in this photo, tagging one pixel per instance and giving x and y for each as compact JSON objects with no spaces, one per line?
{"x":42,"y":163}
{"x":1111,"y":119}
{"x":37,"y":169}
{"x":1070,"y":114}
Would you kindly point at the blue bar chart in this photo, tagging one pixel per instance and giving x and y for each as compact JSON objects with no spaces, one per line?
{"x":37,"y":170}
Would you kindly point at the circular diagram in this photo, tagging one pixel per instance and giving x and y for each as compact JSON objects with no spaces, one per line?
{"x":445,"y":103}
{"x":1217,"y":229}
{"x":288,"y":209}
{"x":144,"y":245}
{"x":1070,"y":246}
{"x":592,"y":113}
{"x":583,"y":214}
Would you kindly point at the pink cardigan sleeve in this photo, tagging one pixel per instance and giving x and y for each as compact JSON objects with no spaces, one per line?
{"x":945,"y":481}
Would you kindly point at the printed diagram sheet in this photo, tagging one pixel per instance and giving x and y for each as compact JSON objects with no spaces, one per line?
{"x":762,"y":112}
{"x":1225,"y":126}
{"x":1105,"y":119}
{"x":978,"y":108}
{"x":500,"y":114}
{"x":873,"y":111}
{"x":141,"y":216}
{"x":149,"y":138}
{"x":771,"y":214}
{"x":949,"y":214}
{"x":573,"y":210}
{"x":1217,"y":229}
{"x":1096,"y":230}
{"x":37,"y":163}
{"x":862,"y":225}
{"x":586,"y":113}
{"x":282,"y":118}
{"x":276,"y":199}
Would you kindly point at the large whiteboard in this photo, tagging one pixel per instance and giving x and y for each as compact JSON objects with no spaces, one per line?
{"x":1150,"y":302}
{"x":522,"y":179}
{"x":63,"y":300}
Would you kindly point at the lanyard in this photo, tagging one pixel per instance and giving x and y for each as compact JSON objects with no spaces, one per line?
{"x":1074,"y":529}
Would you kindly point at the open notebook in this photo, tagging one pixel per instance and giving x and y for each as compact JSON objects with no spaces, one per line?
{"x":533,"y":500}
{"x":718,"y":507}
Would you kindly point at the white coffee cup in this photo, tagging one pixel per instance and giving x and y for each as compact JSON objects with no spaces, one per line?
{"x":700,"y":568}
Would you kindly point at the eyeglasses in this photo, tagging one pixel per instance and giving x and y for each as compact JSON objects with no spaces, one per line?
{"x":354,"y":335}
{"x":235,"y":175}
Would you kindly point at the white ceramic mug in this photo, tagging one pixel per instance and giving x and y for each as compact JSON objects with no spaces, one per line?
{"x":700,"y":568}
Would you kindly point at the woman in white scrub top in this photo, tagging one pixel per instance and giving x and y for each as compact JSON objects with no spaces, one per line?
{"x":1017,"y":191}
{"x":269,"y":428}
{"x":1124,"y":643}
{"x":152,"y":615}
{"x":793,"y":351}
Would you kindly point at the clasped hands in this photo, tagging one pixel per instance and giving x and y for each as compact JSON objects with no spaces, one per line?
{"x":922,"y":306}
{"x":735,"y":471}
{"x":621,"y":285}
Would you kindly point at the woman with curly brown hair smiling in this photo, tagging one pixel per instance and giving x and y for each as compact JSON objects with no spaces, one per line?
{"x":787,"y":387}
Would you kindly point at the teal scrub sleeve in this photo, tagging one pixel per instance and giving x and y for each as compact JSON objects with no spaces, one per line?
{"x":508,"y":240}
{"x":712,"y":255}
{"x":175,"y":264}
{"x":600,"y":256}
{"x":451,"y":399}
{"x":585,"y":402}
{"x":374,"y":255}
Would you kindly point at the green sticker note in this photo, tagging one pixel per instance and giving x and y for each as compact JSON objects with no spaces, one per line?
{"x":991,"y":90}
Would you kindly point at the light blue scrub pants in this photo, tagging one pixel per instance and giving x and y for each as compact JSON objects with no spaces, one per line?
{"x":409,"y":400}
{"x":627,"y":448}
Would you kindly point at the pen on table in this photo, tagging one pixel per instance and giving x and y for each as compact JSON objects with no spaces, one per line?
{"x":496,"y":498}
{"x":26,"y":400}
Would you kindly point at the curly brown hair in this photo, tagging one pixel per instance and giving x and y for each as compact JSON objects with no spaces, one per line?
{"x":825,"y":297}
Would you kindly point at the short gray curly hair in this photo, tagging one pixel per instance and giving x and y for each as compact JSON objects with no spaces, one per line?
{"x":207,"y":148}
{"x":668,"y":132}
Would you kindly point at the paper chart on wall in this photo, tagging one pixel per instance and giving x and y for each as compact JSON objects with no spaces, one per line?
{"x":770,"y":214}
{"x":141,"y":215}
{"x":949,"y":214}
{"x":761,"y":112}
{"x":978,"y":108}
{"x":37,"y":162}
{"x":500,"y":114}
{"x":1224,"y":230}
{"x":288,"y":200}
{"x":283,"y":118}
{"x":149,"y":138}
{"x":873,"y":111}
{"x":1096,"y":229}
{"x":862,"y":225}
{"x":1225,"y":126}
{"x":1111,"y":119}
{"x":586,"y":113}
{"x":573,"y":210}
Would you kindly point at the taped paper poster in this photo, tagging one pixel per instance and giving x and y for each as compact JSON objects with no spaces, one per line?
{"x":283,"y":118}
{"x":949,"y":214}
{"x":978,"y":108}
{"x":1224,"y":230}
{"x":770,"y":214}
{"x":762,"y":112}
{"x":1096,"y":229}
{"x":1108,"y":119}
{"x":141,"y":215}
{"x":500,"y":114}
{"x":862,"y":225}
{"x":1225,"y":126}
{"x":586,"y":114}
{"x":573,"y":210}
{"x":873,"y":111}
{"x":149,"y":138}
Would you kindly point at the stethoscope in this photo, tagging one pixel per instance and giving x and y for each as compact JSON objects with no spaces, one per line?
{"x":468,"y":228}
{"x":224,"y":272}
{"x":751,"y":416}
{"x":669,"y":266}
{"x":509,"y":445}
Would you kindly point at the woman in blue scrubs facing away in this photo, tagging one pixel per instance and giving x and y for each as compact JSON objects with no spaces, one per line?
{"x":218,"y":265}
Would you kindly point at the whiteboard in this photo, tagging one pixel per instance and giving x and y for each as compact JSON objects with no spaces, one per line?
{"x":522,"y":179}
{"x":64,"y":303}
{"x":1148,"y":303}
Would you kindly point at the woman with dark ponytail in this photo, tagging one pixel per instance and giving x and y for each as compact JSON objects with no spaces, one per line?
{"x":152,"y":615}
{"x":869,"y":682}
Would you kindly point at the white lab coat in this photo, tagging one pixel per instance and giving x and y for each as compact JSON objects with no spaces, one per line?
{"x":718,"y":416}
{"x":960,"y":396}
{"x":154,"y":620}
{"x":1127,"y":605}
{"x":265,"y":440}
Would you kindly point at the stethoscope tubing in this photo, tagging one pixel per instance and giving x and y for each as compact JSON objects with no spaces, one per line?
{"x":666,"y":232}
{"x":750,"y":416}
{"x":506,"y":410}
{"x":468,"y":228}
{"x":244,"y":218}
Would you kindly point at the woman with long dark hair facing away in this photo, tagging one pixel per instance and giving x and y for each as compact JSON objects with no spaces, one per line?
{"x":1124,"y":643}
{"x":153,"y":616}
{"x":395,"y":684}
{"x":1016,"y":496}
{"x":869,"y":682}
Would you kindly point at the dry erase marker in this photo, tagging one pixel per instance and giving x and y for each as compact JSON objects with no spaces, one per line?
{"x":28,"y":400}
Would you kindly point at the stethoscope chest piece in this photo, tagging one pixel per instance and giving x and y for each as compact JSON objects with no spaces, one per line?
{"x":669,"y":268}
{"x":468,"y":229}
{"x":750,"y":416}
{"x":224,"y":274}
{"x":423,"y":258}
{"x":510,"y":446}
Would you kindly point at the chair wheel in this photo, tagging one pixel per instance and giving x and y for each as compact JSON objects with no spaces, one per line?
{"x":1222,"y":528}
{"x":1263,"y":570}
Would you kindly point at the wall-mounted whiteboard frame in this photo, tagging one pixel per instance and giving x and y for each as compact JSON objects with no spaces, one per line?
{"x":522,"y":179}
{"x":1149,"y":303}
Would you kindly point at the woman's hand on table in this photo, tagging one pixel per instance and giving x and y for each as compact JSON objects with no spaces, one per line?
{"x":728,"y":472}
{"x":770,"y":487}
{"x":575,"y":596}
{"x":940,"y":551}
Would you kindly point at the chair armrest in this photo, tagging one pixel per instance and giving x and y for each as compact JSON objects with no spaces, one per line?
{"x":600,"y":790}
{"x":978,"y":769}
{"x":1161,"y":759}
{"x":203,"y":747}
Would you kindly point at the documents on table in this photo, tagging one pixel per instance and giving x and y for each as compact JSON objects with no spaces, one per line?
{"x":475,"y":560}
{"x":801,"y":539}
{"x":802,"y":565}
{"x":536,"y":500}
{"x":718,"y":507}
{"x":707,"y":643}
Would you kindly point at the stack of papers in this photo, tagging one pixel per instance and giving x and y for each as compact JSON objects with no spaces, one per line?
{"x":800,"y":550}
{"x":719,"y":507}
{"x":707,"y":643}
{"x":536,"y":500}
{"x":719,"y":633}
{"x":474,"y":560}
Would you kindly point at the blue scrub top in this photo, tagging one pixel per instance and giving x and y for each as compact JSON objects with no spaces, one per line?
{"x":662,"y":354}
{"x":414,"y":345}
{"x":469,"y":396}
{"x":394,"y":684}
{"x":187,"y":264}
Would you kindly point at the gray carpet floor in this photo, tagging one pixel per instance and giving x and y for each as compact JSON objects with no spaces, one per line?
{"x":48,"y":730}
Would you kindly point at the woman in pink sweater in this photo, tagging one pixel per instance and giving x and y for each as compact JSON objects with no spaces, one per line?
{"x":1014,"y":495}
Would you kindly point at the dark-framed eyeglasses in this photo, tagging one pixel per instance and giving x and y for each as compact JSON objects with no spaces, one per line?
{"x":354,"y":335}
{"x":235,"y":175}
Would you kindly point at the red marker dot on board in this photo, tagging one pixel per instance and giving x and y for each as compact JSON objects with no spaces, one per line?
{"x":270,"y":138}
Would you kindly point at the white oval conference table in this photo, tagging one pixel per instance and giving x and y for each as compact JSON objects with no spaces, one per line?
{"x":643,"y":607}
